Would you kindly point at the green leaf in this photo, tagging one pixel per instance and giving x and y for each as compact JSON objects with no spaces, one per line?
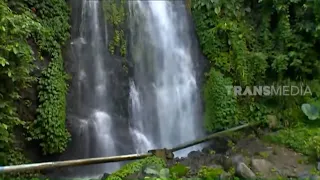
{"x":3,"y":61}
{"x":164,"y":173}
{"x":149,"y":170}
{"x":217,"y":10}
{"x":311,"y":111}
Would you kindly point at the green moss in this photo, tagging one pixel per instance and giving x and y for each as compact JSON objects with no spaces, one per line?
{"x":135,"y":166}
{"x":264,"y":154}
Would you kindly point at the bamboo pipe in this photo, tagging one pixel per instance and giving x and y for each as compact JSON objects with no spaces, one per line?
{"x":198,"y":141}
{"x":78,"y":162}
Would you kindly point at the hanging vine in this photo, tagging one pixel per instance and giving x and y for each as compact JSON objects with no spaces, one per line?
{"x":115,"y":15}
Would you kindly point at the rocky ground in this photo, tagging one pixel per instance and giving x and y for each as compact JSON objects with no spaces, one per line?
{"x":250,"y":157}
{"x":246,"y":157}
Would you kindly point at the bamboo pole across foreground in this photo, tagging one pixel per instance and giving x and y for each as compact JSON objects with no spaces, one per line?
{"x":198,"y":141}
{"x":81,"y":162}
{"x":78,"y":162}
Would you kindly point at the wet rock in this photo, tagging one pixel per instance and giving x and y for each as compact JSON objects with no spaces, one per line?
{"x":314,"y":177}
{"x":244,"y":171}
{"x":218,"y":144}
{"x":318,"y":166}
{"x":104,"y":176}
{"x":261,"y":165}
{"x":238,"y":158}
{"x":195,"y":154}
{"x":305,"y":175}
{"x":225,"y":176}
{"x":288,"y":172}
{"x":135,"y":176}
{"x":226,"y":162}
{"x":229,"y":162}
{"x":215,"y":166}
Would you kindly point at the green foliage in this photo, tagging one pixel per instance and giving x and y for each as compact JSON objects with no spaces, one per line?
{"x":210,"y":173}
{"x":163,"y":173}
{"x":136,"y":166}
{"x":179,"y":170}
{"x":220,"y":105}
{"x":305,"y":140}
{"x":310,"y":111}
{"x":258,"y":43}
{"x":16,"y":62}
{"x":115,"y":15}
{"x":49,"y":127}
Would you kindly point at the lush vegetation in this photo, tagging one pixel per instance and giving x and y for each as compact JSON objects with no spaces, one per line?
{"x":136,"y":166}
{"x":153,"y":168}
{"x":16,"y":59}
{"x":115,"y":15}
{"x":247,"y":43}
{"x":252,"y":43}
{"x":49,"y":127}
{"x":32,"y":32}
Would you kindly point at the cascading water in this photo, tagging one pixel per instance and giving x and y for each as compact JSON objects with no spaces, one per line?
{"x":165,"y":102}
{"x":89,"y":102}
{"x":164,"y":94}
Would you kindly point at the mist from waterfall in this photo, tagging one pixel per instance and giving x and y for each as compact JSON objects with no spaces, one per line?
{"x":164,"y":93}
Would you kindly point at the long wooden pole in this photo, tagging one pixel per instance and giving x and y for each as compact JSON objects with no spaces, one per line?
{"x":198,"y":141}
{"x":78,"y":162}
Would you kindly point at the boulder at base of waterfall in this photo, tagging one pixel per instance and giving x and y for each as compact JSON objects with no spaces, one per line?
{"x":244,"y":171}
{"x":264,"y":168}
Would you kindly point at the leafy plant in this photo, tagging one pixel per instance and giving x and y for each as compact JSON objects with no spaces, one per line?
{"x":16,"y":62}
{"x":210,"y":173}
{"x":311,"y":111}
{"x":220,"y":105}
{"x":162,"y":174}
{"x":179,"y":170}
{"x":49,"y":127}
{"x":115,"y":15}
{"x":136,"y":166}
{"x":257,"y":43}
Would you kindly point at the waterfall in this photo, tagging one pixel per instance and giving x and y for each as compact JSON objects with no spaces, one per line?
{"x":90,"y":104}
{"x":165,"y":107}
{"x":165,"y":97}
